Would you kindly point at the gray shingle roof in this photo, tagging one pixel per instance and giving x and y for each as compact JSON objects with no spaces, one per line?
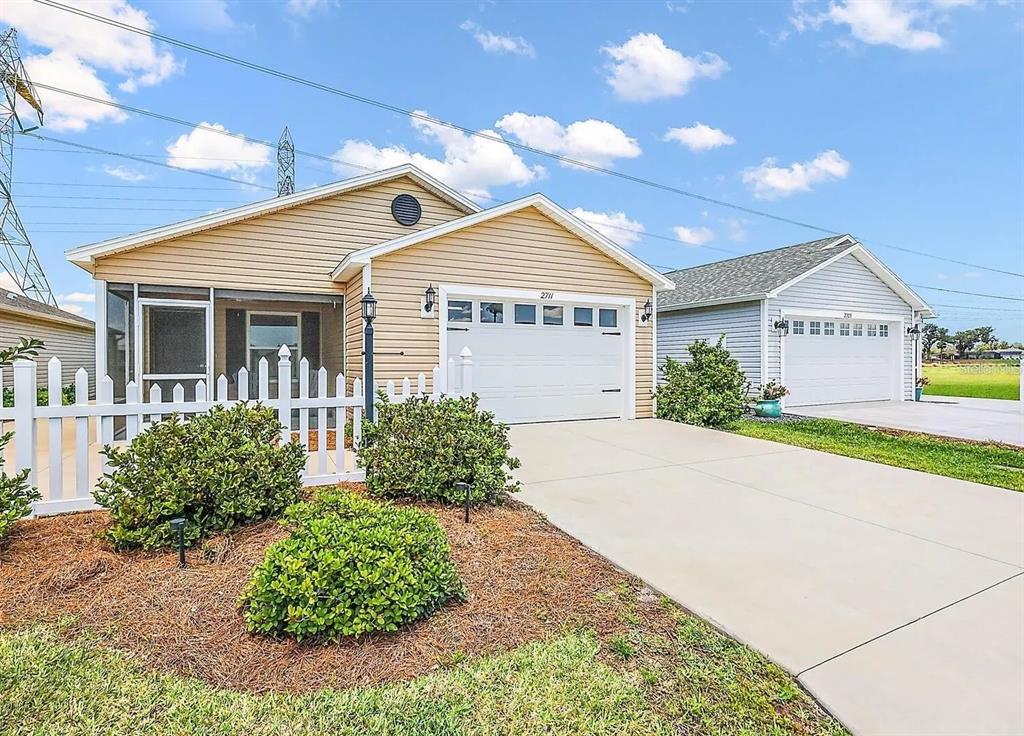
{"x":752,"y":275}
{"x":24,"y":304}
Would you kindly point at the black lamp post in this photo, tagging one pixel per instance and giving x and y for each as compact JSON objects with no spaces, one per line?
{"x":178,"y":527}
{"x":369,"y":306}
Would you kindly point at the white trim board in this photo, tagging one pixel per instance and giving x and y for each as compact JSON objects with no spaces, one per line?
{"x":358,"y":258}
{"x":86,"y":255}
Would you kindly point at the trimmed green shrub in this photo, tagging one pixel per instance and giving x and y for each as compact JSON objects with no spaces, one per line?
{"x":421,"y":448}
{"x":708,"y":390}
{"x":351,"y":566}
{"x":67,"y":395}
{"x":218,"y":470}
{"x":16,"y":495}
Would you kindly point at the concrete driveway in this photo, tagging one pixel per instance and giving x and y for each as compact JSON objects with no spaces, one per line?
{"x":950,"y":416}
{"x":895,"y":596}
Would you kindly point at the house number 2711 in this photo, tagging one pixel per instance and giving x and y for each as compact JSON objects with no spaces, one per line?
{"x":547,"y":295}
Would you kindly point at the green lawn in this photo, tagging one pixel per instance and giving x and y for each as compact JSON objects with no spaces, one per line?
{"x":979,"y":380}
{"x":981,"y":463}
{"x":698,"y":682}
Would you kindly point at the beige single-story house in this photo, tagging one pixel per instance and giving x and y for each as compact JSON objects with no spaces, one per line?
{"x":559,"y":319}
{"x":67,"y":336}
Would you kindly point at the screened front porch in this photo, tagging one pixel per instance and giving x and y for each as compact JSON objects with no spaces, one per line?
{"x":168,"y":335}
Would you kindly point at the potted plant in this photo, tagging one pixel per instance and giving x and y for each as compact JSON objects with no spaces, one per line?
{"x":919,"y":388}
{"x":769,"y":403}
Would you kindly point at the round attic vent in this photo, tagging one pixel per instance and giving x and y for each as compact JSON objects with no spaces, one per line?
{"x":406,"y":209}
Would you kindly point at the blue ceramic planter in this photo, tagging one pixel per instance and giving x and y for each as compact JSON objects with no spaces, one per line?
{"x":918,"y":392}
{"x":765,"y":408}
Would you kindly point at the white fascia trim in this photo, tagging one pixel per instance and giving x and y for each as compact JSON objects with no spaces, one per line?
{"x":874,"y":265}
{"x":542,"y":203}
{"x":86,"y":255}
{"x":713,"y":302}
{"x":70,"y":320}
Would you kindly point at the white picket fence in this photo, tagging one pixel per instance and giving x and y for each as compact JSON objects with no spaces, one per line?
{"x":66,"y":466}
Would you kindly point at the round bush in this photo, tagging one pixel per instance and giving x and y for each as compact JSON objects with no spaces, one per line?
{"x":217,"y":470}
{"x":420,"y":448}
{"x":351,"y":566}
{"x":709,"y":390}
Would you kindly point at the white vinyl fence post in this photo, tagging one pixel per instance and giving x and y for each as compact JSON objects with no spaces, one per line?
{"x":56,"y":446}
{"x":24,"y":417}
{"x":284,"y":393}
{"x":466,"y":371}
{"x":81,"y":435}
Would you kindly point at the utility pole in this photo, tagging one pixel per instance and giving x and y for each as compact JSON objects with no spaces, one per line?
{"x":17,"y":256}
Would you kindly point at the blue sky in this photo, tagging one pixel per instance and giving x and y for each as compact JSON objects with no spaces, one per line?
{"x":899,"y":122}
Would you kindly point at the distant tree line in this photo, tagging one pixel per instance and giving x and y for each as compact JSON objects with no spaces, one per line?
{"x":938,"y":339}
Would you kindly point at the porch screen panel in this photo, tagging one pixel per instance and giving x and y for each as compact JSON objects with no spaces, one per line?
{"x":175,"y":341}
{"x":311,"y":339}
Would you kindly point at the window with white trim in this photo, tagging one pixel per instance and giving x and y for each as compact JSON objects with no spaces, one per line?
{"x":525,"y":314}
{"x":883,"y":330}
{"x":583,"y":316}
{"x":814,"y":328}
{"x":492,"y":313}
{"x":608,"y":317}
{"x":858,"y":329}
{"x":830,"y":328}
{"x":553,"y":314}
{"x":872,"y":330}
{"x":460,"y":311}
{"x":797,"y":326}
{"x":844,"y":329}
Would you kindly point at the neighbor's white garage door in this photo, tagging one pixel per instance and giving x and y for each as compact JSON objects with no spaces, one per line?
{"x":541,"y":361}
{"x":831,"y":362}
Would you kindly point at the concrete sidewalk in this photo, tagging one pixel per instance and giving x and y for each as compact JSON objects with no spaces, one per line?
{"x":895,"y":596}
{"x":949,"y":416}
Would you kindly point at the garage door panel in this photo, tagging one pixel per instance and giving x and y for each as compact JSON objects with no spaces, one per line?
{"x":838,"y":365}
{"x":527,"y":373}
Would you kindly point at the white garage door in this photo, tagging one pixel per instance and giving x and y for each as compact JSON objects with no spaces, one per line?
{"x":831,"y":362}
{"x":541,"y":361}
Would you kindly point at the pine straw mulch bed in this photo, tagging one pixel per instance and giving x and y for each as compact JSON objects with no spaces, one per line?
{"x":526,"y":580}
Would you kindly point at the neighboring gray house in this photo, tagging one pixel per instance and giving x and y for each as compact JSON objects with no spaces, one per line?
{"x":826,"y":318}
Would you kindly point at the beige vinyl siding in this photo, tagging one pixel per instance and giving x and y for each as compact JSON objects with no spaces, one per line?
{"x":74,"y":346}
{"x":291,"y":250}
{"x":524,"y":250}
{"x":354,"y":329}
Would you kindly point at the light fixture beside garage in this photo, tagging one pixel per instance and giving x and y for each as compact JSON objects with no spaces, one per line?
{"x":914,"y":331}
{"x":429,"y":299}
{"x":648,"y":312}
{"x":782,"y":327}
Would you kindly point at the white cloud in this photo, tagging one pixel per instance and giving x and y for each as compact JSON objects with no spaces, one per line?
{"x":613,"y":225}
{"x":498,"y":44}
{"x":124,"y":173}
{"x":905,"y":25}
{"x":8,"y":283}
{"x":470,"y":163}
{"x":304,"y":8}
{"x":644,"y":68}
{"x":210,"y":15}
{"x":64,"y":112}
{"x":78,"y":297}
{"x":72,"y":308}
{"x":205,"y":150}
{"x":735,"y":229}
{"x":131,"y":55}
{"x":596,"y":142}
{"x":694,"y":235}
{"x":700,"y":137}
{"x":768,"y":181}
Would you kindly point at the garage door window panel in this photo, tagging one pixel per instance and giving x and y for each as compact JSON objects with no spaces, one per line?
{"x":525,"y":314}
{"x":460,"y":311}
{"x":554,"y":315}
{"x":872,"y":330}
{"x":883,"y":330}
{"x":844,"y":329}
{"x":798,"y":327}
{"x":608,"y":317}
{"x":858,"y":330}
{"x":492,"y":313}
{"x":582,"y":317}
{"x":814,"y":328}
{"x":830,"y":328}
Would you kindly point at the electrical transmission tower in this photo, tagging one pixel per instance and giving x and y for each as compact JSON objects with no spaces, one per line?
{"x":285,"y":164}
{"x":17,"y":256}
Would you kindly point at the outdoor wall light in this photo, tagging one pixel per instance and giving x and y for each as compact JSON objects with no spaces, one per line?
{"x":648,"y":311}
{"x":369,"y":306}
{"x":430,"y":300}
{"x":914,"y":331}
{"x":178,"y":528}
{"x":782,"y":327}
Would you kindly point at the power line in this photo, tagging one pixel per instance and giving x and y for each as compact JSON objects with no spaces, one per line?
{"x":103,"y":207}
{"x":479,"y":134}
{"x":968,"y":293}
{"x":138,"y":159}
{"x":982,"y":309}
{"x":121,"y":186}
{"x":144,"y":198}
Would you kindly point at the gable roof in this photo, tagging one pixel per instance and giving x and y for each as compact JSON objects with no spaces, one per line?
{"x":766,"y":274}
{"x":18,"y":304}
{"x":86,"y":255}
{"x":357,"y":259}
